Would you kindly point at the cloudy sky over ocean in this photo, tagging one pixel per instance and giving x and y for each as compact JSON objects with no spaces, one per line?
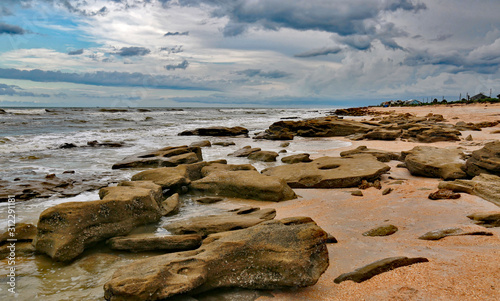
{"x":245,"y":52}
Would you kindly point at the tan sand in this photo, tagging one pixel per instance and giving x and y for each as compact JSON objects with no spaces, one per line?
{"x":459,"y":268}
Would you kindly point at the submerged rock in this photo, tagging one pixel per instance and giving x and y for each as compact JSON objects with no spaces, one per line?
{"x":274,"y":254}
{"x":378,"y":267}
{"x":434,"y":162}
{"x":330,"y":172}
{"x":164,"y":157}
{"x":232,"y":220}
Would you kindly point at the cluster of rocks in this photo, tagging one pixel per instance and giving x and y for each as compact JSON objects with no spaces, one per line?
{"x":94,"y":143}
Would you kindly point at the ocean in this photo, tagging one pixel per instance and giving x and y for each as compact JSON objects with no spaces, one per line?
{"x":30,"y":140}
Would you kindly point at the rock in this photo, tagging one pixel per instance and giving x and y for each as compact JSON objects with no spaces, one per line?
{"x":378,"y":267}
{"x":209,"y":200}
{"x":165,"y":157}
{"x":65,"y":230}
{"x":330,"y":172}
{"x":170,"y":205}
{"x":433,"y":162}
{"x":204,"y":143}
{"x":282,"y":151}
{"x":151,"y":242}
{"x":365,"y":184}
{"x":67,"y":145}
{"x":225,"y":167}
{"x":231,"y":220}
{"x":330,"y":239}
{"x":383,"y":134}
{"x":244,"y":152}
{"x":224,"y":143}
{"x":468,"y":138}
{"x":173,"y":178}
{"x":217,"y":131}
{"x":442,"y":233}
{"x":362,"y":111}
{"x":276,"y":135}
{"x":381,"y":155}
{"x":384,"y":230}
{"x":2,"y":111}
{"x":113,"y":110}
{"x":443,"y":194}
{"x":264,"y":156}
{"x":485,"y":160}
{"x":245,"y":185}
{"x":284,"y":144}
{"x":286,"y":253}
{"x":485,"y":186}
{"x":21,"y":249}
{"x":486,"y":219}
{"x":296,"y":158}
{"x":23,"y":233}
{"x":357,"y":193}
{"x":387,"y":190}
{"x":437,"y":134}
{"x":95,"y":143}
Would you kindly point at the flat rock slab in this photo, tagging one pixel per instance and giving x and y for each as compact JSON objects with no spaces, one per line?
{"x":232,"y":220}
{"x":164,"y":157}
{"x":434,"y":162}
{"x":330,"y":172}
{"x":264,"y":156}
{"x":442,"y":233}
{"x":485,"y":186}
{"x":378,"y":267}
{"x":243,"y":184}
{"x":486,"y":219}
{"x":275,"y":254}
{"x":151,"y":242}
{"x":296,"y":158}
{"x":381,"y":155}
{"x":205,"y":171}
{"x":485,"y":160}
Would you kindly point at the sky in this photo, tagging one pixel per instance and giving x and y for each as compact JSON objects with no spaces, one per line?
{"x":246,"y":53}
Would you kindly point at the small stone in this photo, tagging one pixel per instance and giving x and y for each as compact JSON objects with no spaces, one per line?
{"x":50,"y":176}
{"x":387,"y":190}
{"x":444,"y":194}
{"x":468,"y":138}
{"x":284,"y":144}
{"x":283,"y":151}
{"x":357,"y":193}
{"x":384,"y":230}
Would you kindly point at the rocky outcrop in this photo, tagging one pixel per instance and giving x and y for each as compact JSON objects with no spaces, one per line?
{"x":330,"y":172}
{"x":244,"y":184}
{"x":433,"y":162}
{"x":378,"y":267}
{"x":232,"y":220}
{"x":485,"y":186}
{"x":381,"y":155}
{"x":442,"y":233}
{"x":165,"y":157}
{"x":274,"y":254}
{"x":296,"y":158}
{"x":65,"y":230}
{"x":151,"y":242}
{"x":485,"y":160}
{"x":486,"y":219}
{"x":264,"y":156}
{"x":217,"y":131}
{"x":245,"y":151}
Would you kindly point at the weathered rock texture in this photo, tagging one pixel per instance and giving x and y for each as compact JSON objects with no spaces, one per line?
{"x":65,"y":230}
{"x":384,"y":230}
{"x":274,"y":254}
{"x":245,"y":151}
{"x":151,"y":242}
{"x":217,"y":131}
{"x":434,"y":162}
{"x":485,"y":160}
{"x":245,"y":184}
{"x":165,"y":157}
{"x":381,"y":155}
{"x":172,"y":177}
{"x":378,"y":267}
{"x":232,"y":220}
{"x":24,"y":235}
{"x":265,"y":156}
{"x":485,"y":186}
{"x":330,"y":172}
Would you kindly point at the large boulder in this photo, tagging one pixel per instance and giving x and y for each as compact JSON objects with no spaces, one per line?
{"x":232,"y":220}
{"x":164,"y":157}
{"x":217,"y":131}
{"x":244,"y":184}
{"x":381,"y":155}
{"x":65,"y":230}
{"x":330,"y":172}
{"x":485,"y":186}
{"x":172,"y":177}
{"x":151,"y":242}
{"x":434,"y":162}
{"x":275,"y":254}
{"x":485,"y":160}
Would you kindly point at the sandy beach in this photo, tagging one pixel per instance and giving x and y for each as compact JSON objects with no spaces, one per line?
{"x":459,"y":268}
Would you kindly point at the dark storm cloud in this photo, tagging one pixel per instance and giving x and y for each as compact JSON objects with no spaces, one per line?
{"x":264,"y":74}
{"x":177,"y":33}
{"x":114,"y":79}
{"x":76,"y":52}
{"x":133,"y":51}
{"x":318,"y":52}
{"x":11,"y":29}
{"x":182,"y":65}
{"x":12,"y":90}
